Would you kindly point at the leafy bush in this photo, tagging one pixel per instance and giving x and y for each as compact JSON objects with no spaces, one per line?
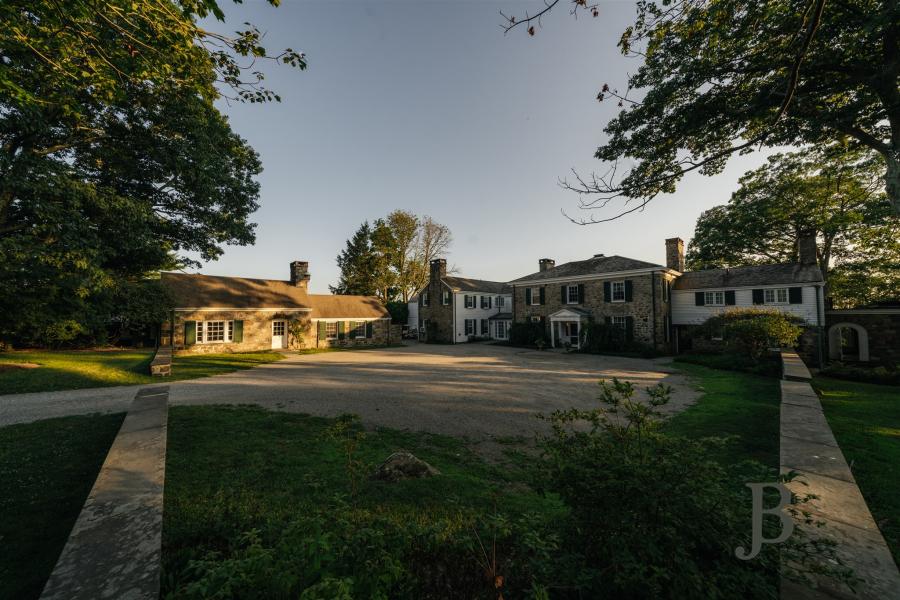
{"x":882,"y":374}
{"x":599,"y":338}
{"x":63,"y":332}
{"x":529,"y":334}
{"x":399,"y":312}
{"x":768,"y":365}
{"x":754,"y":330}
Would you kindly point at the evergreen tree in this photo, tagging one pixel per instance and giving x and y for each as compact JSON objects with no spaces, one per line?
{"x":357,"y":262}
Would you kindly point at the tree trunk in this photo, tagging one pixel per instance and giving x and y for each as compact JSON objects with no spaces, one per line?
{"x":892,"y":178}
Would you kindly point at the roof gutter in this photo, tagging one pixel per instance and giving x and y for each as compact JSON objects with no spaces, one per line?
{"x":591,"y":276}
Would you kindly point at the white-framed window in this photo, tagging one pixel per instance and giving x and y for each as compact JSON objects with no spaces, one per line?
{"x":214,"y":332}
{"x":278,"y":328}
{"x":470,"y":326}
{"x":359,"y":329}
{"x":775,"y":296}
{"x":714,"y":298}
{"x":618,"y":291}
{"x":484,"y":327}
{"x":535,"y":319}
{"x":572,"y":294}
{"x":486,"y":302}
{"x":619,"y":322}
{"x":500,"y":330}
{"x":535,"y":296}
{"x":501,"y":301}
{"x":331,"y":330}
{"x":425,"y":298}
{"x":445,"y":297}
{"x":470,"y":301}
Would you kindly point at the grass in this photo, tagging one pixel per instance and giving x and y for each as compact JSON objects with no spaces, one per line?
{"x":75,"y":369}
{"x":733,"y":404}
{"x":47,"y":469}
{"x":231,"y":470}
{"x":865,"y":419}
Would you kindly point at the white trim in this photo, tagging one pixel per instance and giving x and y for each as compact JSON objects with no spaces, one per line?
{"x":835,"y":352}
{"x":593,"y":276}
{"x":750,"y":287}
{"x":205,"y":309}
{"x":336,"y":319}
{"x":863,"y":311}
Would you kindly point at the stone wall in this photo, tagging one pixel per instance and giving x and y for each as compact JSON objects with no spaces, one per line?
{"x":883,"y":331}
{"x":381,"y":336}
{"x":439,"y":316}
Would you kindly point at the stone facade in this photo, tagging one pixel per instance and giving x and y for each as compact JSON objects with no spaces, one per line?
{"x":882,"y":331}
{"x":436,"y":317}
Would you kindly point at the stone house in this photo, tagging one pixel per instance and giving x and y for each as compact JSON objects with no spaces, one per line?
{"x":237,"y":314}
{"x":459,"y":309}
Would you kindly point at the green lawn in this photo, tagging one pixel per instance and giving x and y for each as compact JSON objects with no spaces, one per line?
{"x":733,"y":404}
{"x":865,"y":419}
{"x":46,"y":469}
{"x":74,"y":369}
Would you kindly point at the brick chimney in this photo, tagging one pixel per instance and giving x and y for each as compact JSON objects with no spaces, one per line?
{"x":675,"y":254}
{"x":438,"y":269}
{"x":300,"y":273}
{"x":546,"y":264}
{"x":806,"y":248}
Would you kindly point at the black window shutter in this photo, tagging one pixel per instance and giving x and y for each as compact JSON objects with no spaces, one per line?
{"x":699,"y":299}
{"x":563,"y":290}
{"x":629,"y":329}
{"x":729,"y":298}
{"x":368,"y":329}
{"x":627,"y":290}
{"x":795,"y":295}
{"x":758,"y":297}
{"x":527,"y":296}
{"x":607,"y":291}
{"x":607,"y":321}
{"x":542,"y":295}
{"x":580,"y":293}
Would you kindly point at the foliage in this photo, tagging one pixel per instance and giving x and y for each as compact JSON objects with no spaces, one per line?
{"x":679,"y":514}
{"x":62,"y":332}
{"x":527,"y":333}
{"x":114,"y":160}
{"x":881,"y":374}
{"x":298,"y":328}
{"x":726,"y":77}
{"x":62,"y":455}
{"x":598,"y":338}
{"x":399,"y":312}
{"x":766,"y":365}
{"x":752,"y":331}
{"x":829,"y":192}
{"x":865,"y":420}
{"x":391,"y":258}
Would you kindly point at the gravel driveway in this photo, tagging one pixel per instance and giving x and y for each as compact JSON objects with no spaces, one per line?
{"x":476,"y":390}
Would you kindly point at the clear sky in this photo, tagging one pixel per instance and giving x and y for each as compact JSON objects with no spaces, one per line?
{"x":428,"y":106}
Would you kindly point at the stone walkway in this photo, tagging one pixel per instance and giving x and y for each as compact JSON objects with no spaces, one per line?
{"x":809,"y":448}
{"x":114,"y":549}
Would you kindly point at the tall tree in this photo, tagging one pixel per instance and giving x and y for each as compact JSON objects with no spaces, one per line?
{"x":405,"y":228}
{"x":721,"y":77}
{"x":356,"y":262}
{"x":114,"y":160}
{"x":384,"y":249}
{"x":833,"y":193}
{"x":433,"y":242}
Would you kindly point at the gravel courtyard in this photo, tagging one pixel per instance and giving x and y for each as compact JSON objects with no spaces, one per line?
{"x":476,"y":390}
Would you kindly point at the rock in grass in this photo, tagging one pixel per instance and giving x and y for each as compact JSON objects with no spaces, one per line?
{"x":403,"y":465}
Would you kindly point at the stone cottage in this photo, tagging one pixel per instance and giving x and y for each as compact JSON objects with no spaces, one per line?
{"x":238,"y":314}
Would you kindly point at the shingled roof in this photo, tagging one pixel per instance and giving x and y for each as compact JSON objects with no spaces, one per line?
{"x":787,"y":274}
{"x":236,"y":293}
{"x":598,"y":265}
{"x":464,"y":284}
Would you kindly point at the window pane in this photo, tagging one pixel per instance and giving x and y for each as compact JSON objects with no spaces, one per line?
{"x":215,"y":331}
{"x":770,"y":295}
{"x":618,"y":290}
{"x":782,"y":294}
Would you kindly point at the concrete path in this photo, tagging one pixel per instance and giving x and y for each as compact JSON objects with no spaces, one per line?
{"x":809,"y":448}
{"x":114,"y":549}
{"x":474,"y":390}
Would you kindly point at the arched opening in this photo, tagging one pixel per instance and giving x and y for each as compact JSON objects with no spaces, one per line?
{"x":848,"y":342}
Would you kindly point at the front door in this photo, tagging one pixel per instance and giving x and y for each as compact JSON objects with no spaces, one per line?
{"x":570,"y":333}
{"x":278,"y":334}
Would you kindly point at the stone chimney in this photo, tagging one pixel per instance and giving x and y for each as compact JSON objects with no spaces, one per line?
{"x":300,"y":273}
{"x":546,"y":264}
{"x":438,"y":269}
{"x":675,"y":254}
{"x":806,"y":248}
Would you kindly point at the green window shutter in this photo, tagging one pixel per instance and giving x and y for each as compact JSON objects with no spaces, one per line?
{"x":628,"y":291}
{"x":607,"y":291}
{"x":795,"y":295}
{"x":729,"y":298}
{"x":321,"y":328}
{"x":352,"y":332}
{"x":368,"y":329}
{"x":341,"y":330}
{"x":580,"y":293}
{"x":562,"y":293}
{"x":758,"y":297}
{"x":237,"y":334}
{"x":629,"y":329}
{"x":542,"y":295}
{"x":699,"y":299}
{"x":527,"y":296}
{"x":190,"y":333}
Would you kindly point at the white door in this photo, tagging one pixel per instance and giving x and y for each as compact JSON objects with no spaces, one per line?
{"x":278,"y":334}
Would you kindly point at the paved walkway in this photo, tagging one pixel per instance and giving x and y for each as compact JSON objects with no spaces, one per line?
{"x":809,"y":448}
{"x":475,"y":390}
{"x":114,"y":549}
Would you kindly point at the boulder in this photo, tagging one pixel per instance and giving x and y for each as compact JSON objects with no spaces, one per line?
{"x":403,"y":465}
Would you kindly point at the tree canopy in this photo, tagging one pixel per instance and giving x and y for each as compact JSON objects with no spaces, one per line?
{"x":114,"y":161}
{"x":721,"y":77}
{"x":832,"y":192}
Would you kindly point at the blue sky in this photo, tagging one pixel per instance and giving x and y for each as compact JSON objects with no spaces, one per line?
{"x":427,"y":106}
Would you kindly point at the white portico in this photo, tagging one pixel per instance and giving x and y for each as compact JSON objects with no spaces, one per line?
{"x":565,"y":326}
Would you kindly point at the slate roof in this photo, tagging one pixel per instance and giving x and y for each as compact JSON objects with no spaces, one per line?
{"x":791,"y":273}
{"x":464,"y":284}
{"x":598,"y":265}
{"x":212,"y":291}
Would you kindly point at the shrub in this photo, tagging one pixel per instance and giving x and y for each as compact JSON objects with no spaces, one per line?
{"x":754,"y":330}
{"x":63,"y":332}
{"x":527,"y":333}
{"x":399,"y":312}
{"x":599,"y":337}
{"x":768,"y":365}
{"x":882,"y":375}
